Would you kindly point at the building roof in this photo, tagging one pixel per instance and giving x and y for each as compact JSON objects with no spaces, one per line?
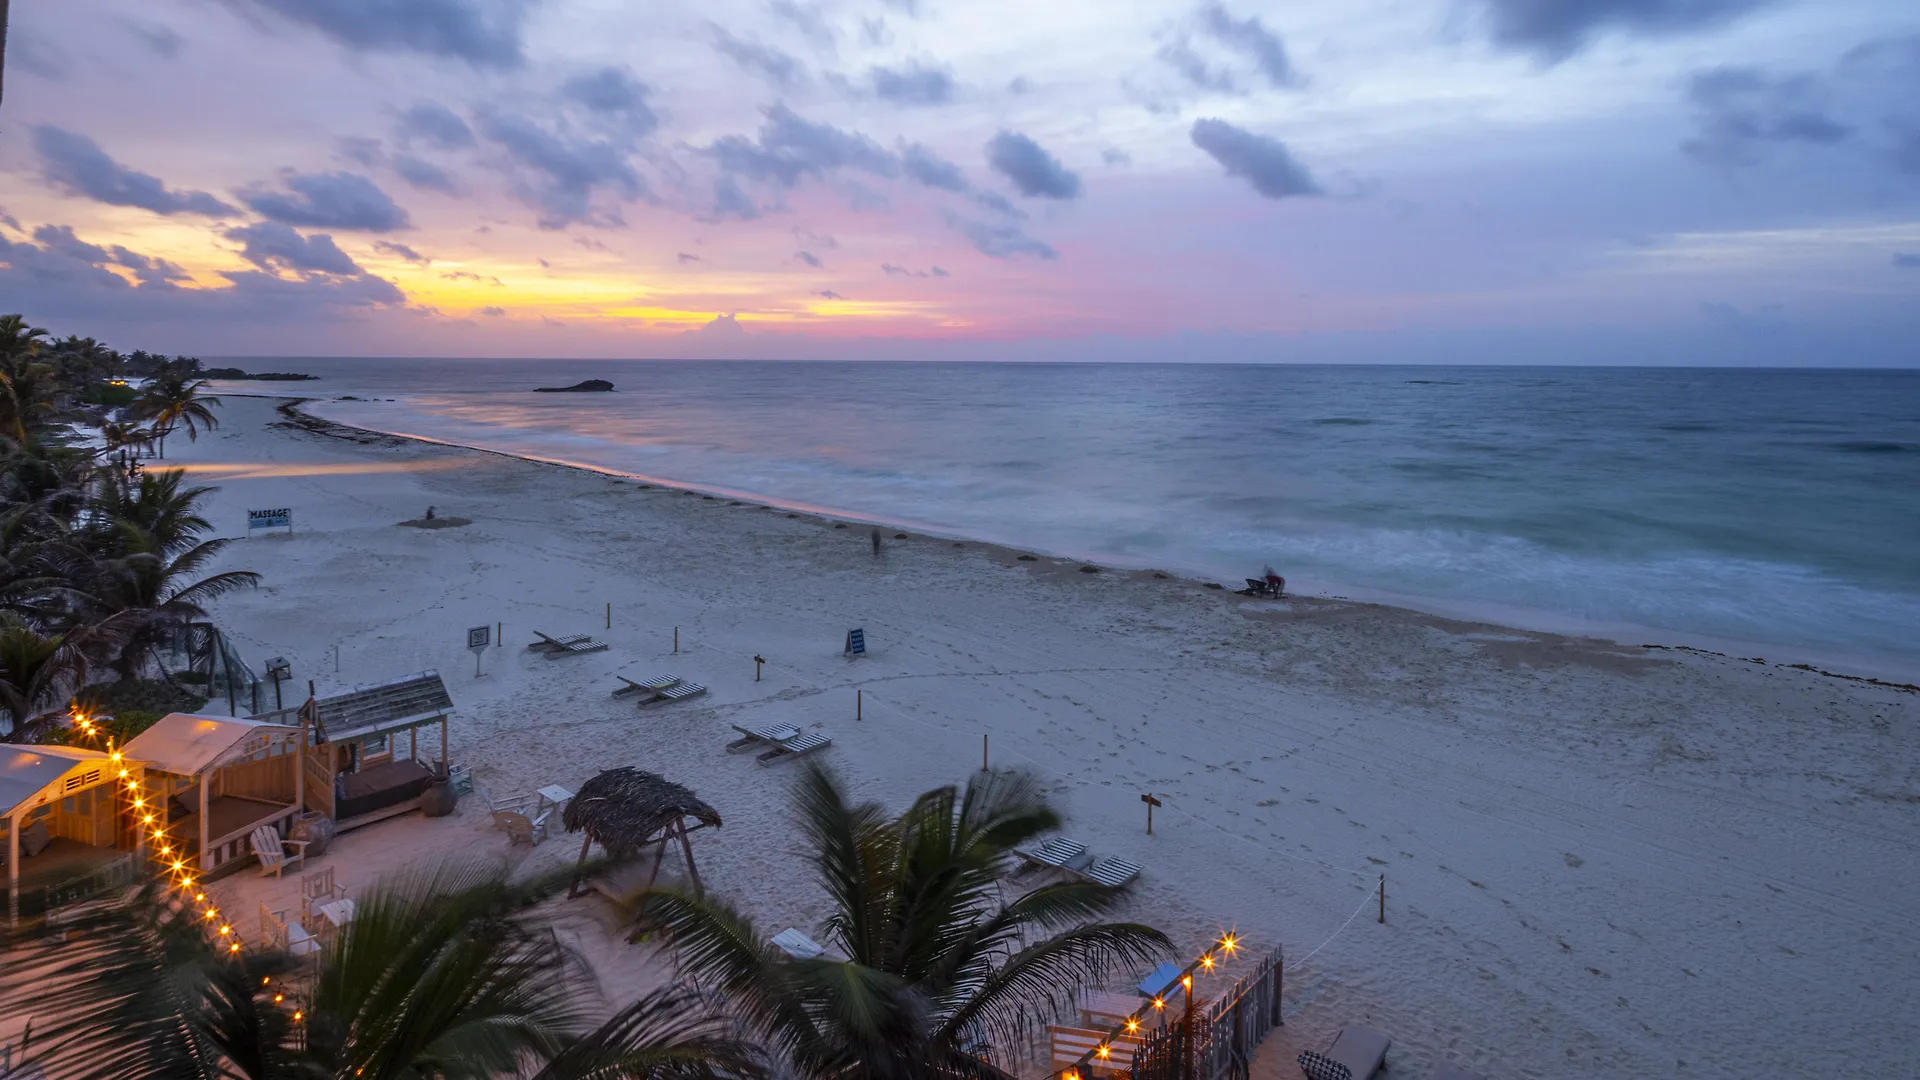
{"x":186,"y":743}
{"x":25,"y":771}
{"x":395,"y":705}
{"x":624,"y":808}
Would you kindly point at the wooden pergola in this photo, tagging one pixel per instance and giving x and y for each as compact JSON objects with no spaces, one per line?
{"x":73,"y":791}
{"x":237,"y":773}
{"x":625,"y":810}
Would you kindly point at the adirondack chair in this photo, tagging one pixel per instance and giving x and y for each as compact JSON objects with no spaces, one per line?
{"x":272,"y":850}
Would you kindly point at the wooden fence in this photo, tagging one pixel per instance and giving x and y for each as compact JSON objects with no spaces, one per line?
{"x":1222,"y":1038}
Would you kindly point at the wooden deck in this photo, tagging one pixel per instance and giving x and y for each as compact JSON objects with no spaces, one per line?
{"x":230,"y":820}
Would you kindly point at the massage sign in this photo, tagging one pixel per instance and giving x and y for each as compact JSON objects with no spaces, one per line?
{"x":281,"y":518}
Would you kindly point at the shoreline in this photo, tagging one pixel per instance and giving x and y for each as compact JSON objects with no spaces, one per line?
{"x":1466,"y":614}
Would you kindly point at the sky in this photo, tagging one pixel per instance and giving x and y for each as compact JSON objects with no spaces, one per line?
{"x":1460,"y":181}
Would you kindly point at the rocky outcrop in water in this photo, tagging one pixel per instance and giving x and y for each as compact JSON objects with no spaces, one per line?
{"x":586,"y":386}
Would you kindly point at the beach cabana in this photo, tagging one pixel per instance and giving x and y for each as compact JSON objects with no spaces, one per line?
{"x":221,"y":778}
{"x":61,"y":803}
{"x":625,"y":809}
{"x":363,"y":758}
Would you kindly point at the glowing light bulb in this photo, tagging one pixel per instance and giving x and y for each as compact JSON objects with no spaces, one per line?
{"x":1132,"y":1024}
{"x":1103,"y":1052}
{"x":1207,"y":962}
{"x":1228,"y":942}
{"x":1159,"y":1003}
{"x":234,"y":948}
{"x":278,"y":998}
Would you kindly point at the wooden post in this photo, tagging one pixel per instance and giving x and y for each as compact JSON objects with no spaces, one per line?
{"x":676,"y":641}
{"x":983,"y":751}
{"x":1279,"y":987}
{"x":1383,"y":898}
{"x":499,"y":635}
{"x":206,"y":857}
{"x":1151,"y":803}
{"x":857,"y":694}
{"x":413,"y":743}
{"x":1186,"y":1033}
{"x":299,"y":774}
{"x":446,"y":763}
{"x":573,"y":890}
{"x":13,"y":867}
{"x":699,"y":890}
{"x":609,"y":614}
{"x":757,"y":661}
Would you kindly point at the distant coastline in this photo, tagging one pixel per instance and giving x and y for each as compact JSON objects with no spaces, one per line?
{"x":234,"y":374}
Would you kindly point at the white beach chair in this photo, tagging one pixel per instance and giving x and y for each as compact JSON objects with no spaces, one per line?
{"x":522,"y":829}
{"x":798,"y":746}
{"x":649,"y":687}
{"x":1110,"y":872}
{"x":1058,"y":853}
{"x":495,"y":806}
{"x":318,"y":888}
{"x":677,"y":692}
{"x":272,"y":850}
{"x":797,"y":945}
{"x":753,"y":737}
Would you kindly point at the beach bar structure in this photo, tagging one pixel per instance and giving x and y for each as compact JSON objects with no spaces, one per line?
{"x":62,"y":801}
{"x":221,"y":778}
{"x":364,"y":747}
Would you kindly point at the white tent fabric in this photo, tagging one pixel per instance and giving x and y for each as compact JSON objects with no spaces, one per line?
{"x":26,"y":770}
{"x":184,"y":744}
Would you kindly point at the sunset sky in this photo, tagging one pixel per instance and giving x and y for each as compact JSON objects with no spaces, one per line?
{"x":1628,"y":181}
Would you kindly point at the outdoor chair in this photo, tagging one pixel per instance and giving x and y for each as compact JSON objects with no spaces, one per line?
{"x":549,"y":643}
{"x":751,"y":738}
{"x":522,"y":829}
{"x":1059,"y":853}
{"x":1069,"y":1044}
{"x":272,"y":850}
{"x":1356,"y":1054}
{"x":797,"y":945}
{"x":677,"y":692}
{"x":649,"y":687}
{"x":494,"y":806}
{"x":799,"y":746}
{"x":1111,"y":872}
{"x":318,"y":888}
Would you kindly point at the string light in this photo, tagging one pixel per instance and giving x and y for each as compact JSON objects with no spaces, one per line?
{"x":1206,"y":962}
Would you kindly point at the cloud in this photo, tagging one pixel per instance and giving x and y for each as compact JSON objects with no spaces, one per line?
{"x":484,"y":33}
{"x":1034,"y":171}
{"x":996,"y":202}
{"x":1261,"y":160}
{"x":683,"y":258}
{"x":925,"y":167}
{"x":492,"y":309}
{"x":75,"y":164}
{"x":468,"y":275}
{"x":730,"y":202}
{"x":999,"y":241}
{"x":1115,"y":156}
{"x":1553,"y":30}
{"x":805,"y":19}
{"x":338,"y":200}
{"x":425,"y":174}
{"x":911,"y":8}
{"x":790,"y":147}
{"x":569,"y":171}
{"x":161,"y":39}
{"x":614,"y":95}
{"x":784,"y":69}
{"x":913,"y":84}
{"x":1907,"y":261}
{"x":402,"y":250}
{"x":31,"y":54}
{"x":435,"y":125}
{"x":829,"y":294}
{"x":1741,"y":110}
{"x":809,"y":258}
{"x":272,"y":246}
{"x":1760,"y":320}
{"x":1251,"y":37}
{"x":721,"y":326}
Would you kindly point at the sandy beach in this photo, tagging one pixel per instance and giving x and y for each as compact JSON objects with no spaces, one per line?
{"x":1600,"y":860}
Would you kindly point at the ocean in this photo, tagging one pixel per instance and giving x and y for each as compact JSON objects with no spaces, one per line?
{"x":1764,"y":512}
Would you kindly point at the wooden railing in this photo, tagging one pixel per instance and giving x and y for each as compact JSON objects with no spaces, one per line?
{"x":1224,"y":1035}
{"x":236,"y":845}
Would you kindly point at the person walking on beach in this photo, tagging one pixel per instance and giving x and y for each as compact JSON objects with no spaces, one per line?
{"x":1275,"y":583}
{"x":876,"y":541}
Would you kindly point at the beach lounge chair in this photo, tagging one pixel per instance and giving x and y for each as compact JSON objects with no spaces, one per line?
{"x":1112,"y":872}
{"x":797,"y":945}
{"x":549,"y":643}
{"x":575,"y":646}
{"x":494,"y":806}
{"x":1160,"y":981}
{"x":1058,"y":853}
{"x":522,"y":829}
{"x":750,"y":738}
{"x":649,"y":687}
{"x":676,"y":692}
{"x":798,"y":746}
{"x":272,"y":851}
{"x":1356,"y":1054}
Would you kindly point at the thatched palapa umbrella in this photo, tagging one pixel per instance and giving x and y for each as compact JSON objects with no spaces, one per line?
{"x":625,"y":809}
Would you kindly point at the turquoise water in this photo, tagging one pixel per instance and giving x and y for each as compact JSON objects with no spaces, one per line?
{"x":1750,"y":509}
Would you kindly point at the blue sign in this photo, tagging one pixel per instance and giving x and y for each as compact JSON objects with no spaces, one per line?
{"x":856,"y":642}
{"x":270,"y":519}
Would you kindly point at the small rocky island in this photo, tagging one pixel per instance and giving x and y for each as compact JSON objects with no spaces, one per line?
{"x":263,"y":376}
{"x":587,"y":386}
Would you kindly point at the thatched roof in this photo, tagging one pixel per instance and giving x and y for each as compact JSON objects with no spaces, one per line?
{"x":624,"y":808}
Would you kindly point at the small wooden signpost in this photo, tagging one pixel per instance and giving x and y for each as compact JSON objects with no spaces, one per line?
{"x":478,"y":638}
{"x":1151,"y":803}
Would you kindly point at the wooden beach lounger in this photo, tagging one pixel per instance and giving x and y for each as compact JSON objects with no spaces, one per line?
{"x":679,"y":691}
{"x":1058,"y":853}
{"x":572,"y":646}
{"x":753,"y":737}
{"x":794,"y":747}
{"x":549,"y":643}
{"x":797,"y":945}
{"x":1111,"y":872}
{"x":1356,"y":1054}
{"x":650,"y":687}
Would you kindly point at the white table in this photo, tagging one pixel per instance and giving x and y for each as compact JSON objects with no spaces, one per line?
{"x":337,"y":912}
{"x":551,"y":795}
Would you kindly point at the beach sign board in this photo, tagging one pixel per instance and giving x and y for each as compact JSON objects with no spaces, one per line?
{"x":281,"y":518}
{"x":479,"y":637}
{"x":856,"y":642}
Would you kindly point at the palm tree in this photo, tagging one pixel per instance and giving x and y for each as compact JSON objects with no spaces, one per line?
{"x":165,"y":513}
{"x":937,"y":963}
{"x":37,"y":672}
{"x":173,"y":399}
{"x":150,"y":590}
{"x":442,"y":975}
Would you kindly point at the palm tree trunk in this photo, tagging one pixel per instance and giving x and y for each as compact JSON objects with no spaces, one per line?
{"x":3,"y":46}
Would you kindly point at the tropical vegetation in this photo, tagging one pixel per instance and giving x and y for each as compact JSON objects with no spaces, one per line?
{"x":102,"y":561}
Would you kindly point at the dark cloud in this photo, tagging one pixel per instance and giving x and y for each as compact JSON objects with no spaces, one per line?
{"x":925,"y":167}
{"x":468,"y":275}
{"x":874,"y":33}
{"x":272,"y":246}
{"x":435,"y":125}
{"x":615,"y":96}
{"x":937,"y":272}
{"x":1761,"y":320}
{"x":809,"y":258}
{"x":913,"y":84}
{"x":425,"y":174}
{"x":337,"y":200}
{"x":730,"y":202}
{"x":891,"y":270}
{"x":1741,"y":110}
{"x":493,"y":310}
{"x":30,"y":54}
{"x":1251,"y":37}
{"x":1261,"y":160}
{"x":996,"y":202}
{"x":1113,"y":155}
{"x":75,"y":164}
{"x":61,"y":239}
{"x":829,"y":294}
{"x":814,"y":240}
{"x":361,"y":150}
{"x":1907,"y":261}
{"x":568,"y":171}
{"x":1019,"y":85}
{"x":790,"y":147}
{"x":1030,"y":167}
{"x":784,"y":69}
{"x":683,"y":258}
{"x":484,"y":33}
{"x":401,"y":250}
{"x":910,"y":8}
{"x":806,"y":19}
{"x":1179,"y":55}
{"x":161,"y":39}
{"x":1552,"y":30}
{"x":1000,"y":241}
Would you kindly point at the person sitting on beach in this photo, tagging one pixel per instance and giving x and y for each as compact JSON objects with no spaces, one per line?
{"x":1275,"y":583}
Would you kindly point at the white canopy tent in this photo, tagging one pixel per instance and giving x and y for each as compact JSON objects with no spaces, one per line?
{"x":237,"y":774}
